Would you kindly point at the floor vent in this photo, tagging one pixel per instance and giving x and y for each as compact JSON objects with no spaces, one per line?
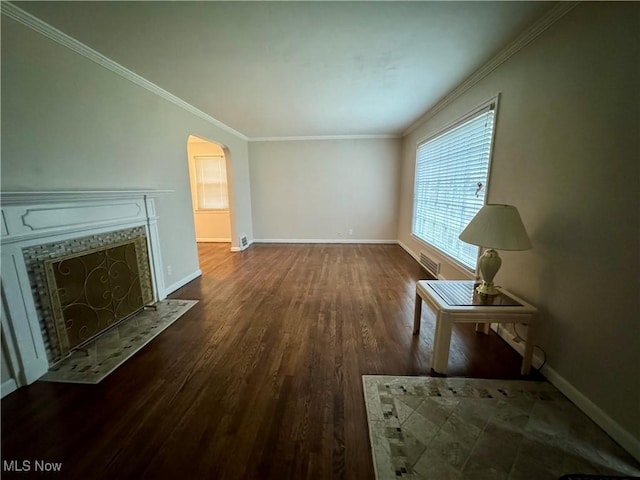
{"x":243,"y":241}
{"x":430,"y":265}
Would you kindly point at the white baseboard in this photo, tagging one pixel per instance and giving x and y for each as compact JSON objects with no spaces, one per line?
{"x":8,"y":386}
{"x":590,"y":409}
{"x":595,"y":413}
{"x":322,"y":240}
{"x":182,"y":282}
{"x":213,"y":240}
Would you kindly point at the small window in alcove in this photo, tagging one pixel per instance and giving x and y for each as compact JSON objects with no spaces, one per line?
{"x":211,"y":182}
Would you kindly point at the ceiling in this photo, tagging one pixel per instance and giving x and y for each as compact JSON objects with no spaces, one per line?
{"x":286,"y":69}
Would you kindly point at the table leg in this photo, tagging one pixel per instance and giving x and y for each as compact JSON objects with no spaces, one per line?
{"x":436,"y":337}
{"x":483,"y":327}
{"x":528,"y":350}
{"x":417,"y":314}
{"x":441,"y":343}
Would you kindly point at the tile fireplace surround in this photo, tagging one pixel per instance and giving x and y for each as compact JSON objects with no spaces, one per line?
{"x":60,"y":223}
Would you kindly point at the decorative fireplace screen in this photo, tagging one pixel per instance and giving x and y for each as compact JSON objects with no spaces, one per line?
{"x":94,"y":290}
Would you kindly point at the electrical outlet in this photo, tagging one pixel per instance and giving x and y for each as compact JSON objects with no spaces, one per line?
{"x":339,"y":234}
{"x":169,"y":270}
{"x":350,"y":231}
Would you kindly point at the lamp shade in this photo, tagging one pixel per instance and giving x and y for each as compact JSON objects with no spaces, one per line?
{"x":497,"y":226}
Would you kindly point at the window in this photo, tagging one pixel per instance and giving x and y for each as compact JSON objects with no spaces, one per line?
{"x":211,"y":182}
{"x":450,"y":184}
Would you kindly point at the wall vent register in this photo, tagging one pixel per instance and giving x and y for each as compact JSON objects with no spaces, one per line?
{"x":429,"y":264}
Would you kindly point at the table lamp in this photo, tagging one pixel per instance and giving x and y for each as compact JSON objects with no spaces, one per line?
{"x":495,"y":227}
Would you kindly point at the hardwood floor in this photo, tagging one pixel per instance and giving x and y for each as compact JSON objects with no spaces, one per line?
{"x":260,"y":380}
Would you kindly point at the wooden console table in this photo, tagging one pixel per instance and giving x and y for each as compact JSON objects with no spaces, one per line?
{"x":457,"y":302}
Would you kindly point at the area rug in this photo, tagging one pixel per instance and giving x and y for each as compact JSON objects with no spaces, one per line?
{"x":457,"y":428}
{"x":116,"y":346}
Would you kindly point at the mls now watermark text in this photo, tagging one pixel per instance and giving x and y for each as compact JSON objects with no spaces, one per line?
{"x":30,"y":466}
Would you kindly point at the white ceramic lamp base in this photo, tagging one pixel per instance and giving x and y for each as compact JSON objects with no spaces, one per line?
{"x":489,"y":265}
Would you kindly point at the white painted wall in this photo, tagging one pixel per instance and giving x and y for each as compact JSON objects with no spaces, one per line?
{"x":322,"y":189}
{"x":68,"y":123}
{"x":567,"y":155}
{"x":210,"y":225}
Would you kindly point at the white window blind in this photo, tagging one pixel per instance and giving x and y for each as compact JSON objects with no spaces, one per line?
{"x":211,"y":182}
{"x":450,"y":184}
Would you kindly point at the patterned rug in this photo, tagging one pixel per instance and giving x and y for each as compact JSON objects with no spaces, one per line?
{"x":457,"y":428}
{"x":116,"y":346}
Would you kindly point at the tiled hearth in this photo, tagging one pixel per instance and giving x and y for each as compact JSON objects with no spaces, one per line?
{"x":111,"y":349}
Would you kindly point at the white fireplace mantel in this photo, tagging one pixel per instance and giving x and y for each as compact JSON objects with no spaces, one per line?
{"x":36,"y":218}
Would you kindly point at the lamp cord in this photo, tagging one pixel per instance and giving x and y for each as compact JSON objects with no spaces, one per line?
{"x":521,"y":339}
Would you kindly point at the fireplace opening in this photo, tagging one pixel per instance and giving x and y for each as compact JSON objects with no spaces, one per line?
{"x":94,"y":290}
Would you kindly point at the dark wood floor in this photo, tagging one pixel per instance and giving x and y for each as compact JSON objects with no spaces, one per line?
{"x":260,"y":380}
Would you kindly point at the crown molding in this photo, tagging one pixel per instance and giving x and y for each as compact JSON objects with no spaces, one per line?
{"x":526,"y":37}
{"x":322,"y":137}
{"x":43,"y":28}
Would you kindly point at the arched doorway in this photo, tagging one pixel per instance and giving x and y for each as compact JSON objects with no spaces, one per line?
{"x":210,"y":180}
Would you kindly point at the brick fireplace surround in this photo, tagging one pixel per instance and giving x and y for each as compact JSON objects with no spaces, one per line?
{"x":59,"y":223}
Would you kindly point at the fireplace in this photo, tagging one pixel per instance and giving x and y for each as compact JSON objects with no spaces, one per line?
{"x":74,"y":264}
{"x":93,"y":291}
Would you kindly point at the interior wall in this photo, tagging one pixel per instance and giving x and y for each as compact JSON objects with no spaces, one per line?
{"x":566,"y":154}
{"x":330,"y":190}
{"x":70,"y":124}
{"x":210,"y":225}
